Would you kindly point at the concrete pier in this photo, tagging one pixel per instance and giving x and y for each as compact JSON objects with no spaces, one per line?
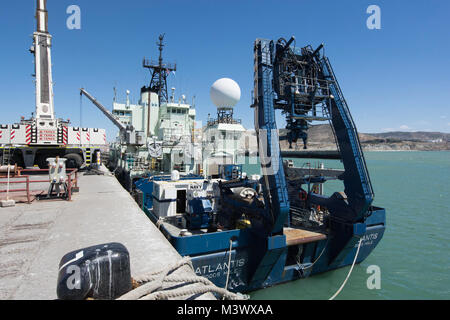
{"x":33,"y":238}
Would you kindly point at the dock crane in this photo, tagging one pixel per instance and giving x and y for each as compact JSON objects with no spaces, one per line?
{"x":128,"y":135}
{"x":33,"y":140}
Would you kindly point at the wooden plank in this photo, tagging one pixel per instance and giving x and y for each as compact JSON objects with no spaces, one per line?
{"x":299,"y":236}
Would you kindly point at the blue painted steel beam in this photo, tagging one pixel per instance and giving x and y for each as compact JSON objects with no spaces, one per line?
{"x":274,"y":184}
{"x":358,"y":187}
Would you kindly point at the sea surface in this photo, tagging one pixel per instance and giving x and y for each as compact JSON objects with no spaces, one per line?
{"x":414,"y":254}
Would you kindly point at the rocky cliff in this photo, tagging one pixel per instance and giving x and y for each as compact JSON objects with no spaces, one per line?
{"x":320,"y":137}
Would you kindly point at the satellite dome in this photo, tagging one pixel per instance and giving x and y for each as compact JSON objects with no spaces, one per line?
{"x":225,"y":92}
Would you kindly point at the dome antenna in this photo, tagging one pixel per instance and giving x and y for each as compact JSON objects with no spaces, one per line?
{"x":225,"y":93}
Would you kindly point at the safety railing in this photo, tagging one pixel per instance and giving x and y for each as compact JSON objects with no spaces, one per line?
{"x":27,"y":184}
{"x":72,"y":182}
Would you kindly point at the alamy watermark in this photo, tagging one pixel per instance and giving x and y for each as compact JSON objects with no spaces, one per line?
{"x":373,"y":22}
{"x":374,"y":280}
{"x":73,"y":22}
{"x":74,"y":280}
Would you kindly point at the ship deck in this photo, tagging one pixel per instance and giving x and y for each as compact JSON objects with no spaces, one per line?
{"x":294,"y":236}
{"x":300,"y":236}
{"x":34,"y":237}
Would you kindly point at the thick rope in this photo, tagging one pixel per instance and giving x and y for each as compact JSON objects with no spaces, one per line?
{"x":349,"y":273}
{"x":229,"y":264}
{"x":159,"y":222}
{"x":184,"y":287}
{"x":312,"y":264}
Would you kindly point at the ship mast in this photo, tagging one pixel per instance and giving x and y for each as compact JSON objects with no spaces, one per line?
{"x":43,"y":64}
{"x":160,"y":72}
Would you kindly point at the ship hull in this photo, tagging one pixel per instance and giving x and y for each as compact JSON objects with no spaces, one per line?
{"x":210,"y":254}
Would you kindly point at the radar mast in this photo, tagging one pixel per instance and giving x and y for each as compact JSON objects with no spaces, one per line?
{"x":159,"y":71}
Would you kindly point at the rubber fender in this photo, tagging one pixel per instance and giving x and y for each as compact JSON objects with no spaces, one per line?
{"x":100,"y":272}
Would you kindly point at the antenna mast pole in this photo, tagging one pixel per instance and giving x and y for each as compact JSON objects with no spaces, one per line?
{"x":160,"y":71}
{"x":163,"y":75}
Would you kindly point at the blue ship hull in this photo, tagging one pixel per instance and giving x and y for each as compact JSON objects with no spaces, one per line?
{"x":210,"y":254}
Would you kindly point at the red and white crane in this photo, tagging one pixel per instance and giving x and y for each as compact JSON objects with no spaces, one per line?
{"x":32,"y":141}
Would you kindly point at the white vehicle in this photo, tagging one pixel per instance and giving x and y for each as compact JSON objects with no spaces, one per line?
{"x":32,"y":141}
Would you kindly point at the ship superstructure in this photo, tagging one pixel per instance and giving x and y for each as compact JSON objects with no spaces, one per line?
{"x":222,"y":135}
{"x":156,"y":134}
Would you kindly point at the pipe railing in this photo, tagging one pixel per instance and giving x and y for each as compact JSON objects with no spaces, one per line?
{"x":72,"y":182}
{"x":27,"y":183}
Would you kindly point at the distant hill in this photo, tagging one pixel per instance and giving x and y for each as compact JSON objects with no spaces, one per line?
{"x":414,"y":136}
{"x":321,"y":137}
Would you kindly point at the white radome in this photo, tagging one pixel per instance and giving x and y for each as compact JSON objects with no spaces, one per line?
{"x":225,"y":92}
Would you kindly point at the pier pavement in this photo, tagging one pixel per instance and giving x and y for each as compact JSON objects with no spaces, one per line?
{"x":34,"y":237}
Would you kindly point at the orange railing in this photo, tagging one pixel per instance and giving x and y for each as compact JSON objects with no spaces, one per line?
{"x":72,"y":181}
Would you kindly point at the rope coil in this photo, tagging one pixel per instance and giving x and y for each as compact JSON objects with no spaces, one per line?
{"x":164,"y":285}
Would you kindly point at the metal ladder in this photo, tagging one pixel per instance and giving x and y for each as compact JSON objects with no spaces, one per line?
{"x":6,"y":156}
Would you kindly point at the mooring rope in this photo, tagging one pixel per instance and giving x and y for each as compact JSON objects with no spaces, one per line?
{"x":300,"y":266}
{"x":349,"y":273}
{"x":229,"y":264}
{"x":159,"y":222}
{"x":181,"y":287}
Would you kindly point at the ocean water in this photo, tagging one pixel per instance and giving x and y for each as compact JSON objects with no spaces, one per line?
{"x":414,"y":254}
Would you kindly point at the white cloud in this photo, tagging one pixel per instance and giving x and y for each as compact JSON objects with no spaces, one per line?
{"x":387,"y":129}
{"x":404,"y":127}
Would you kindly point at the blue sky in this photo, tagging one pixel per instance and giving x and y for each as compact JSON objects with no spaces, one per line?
{"x":394,"y":79}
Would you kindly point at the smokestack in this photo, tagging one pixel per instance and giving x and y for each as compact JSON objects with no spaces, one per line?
{"x":42,"y":16}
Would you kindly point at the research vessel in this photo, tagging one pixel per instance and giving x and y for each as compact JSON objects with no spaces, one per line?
{"x":249,"y":232}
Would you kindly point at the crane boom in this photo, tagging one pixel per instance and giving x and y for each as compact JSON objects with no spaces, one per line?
{"x":105,"y":111}
{"x":128,"y":135}
{"x":43,"y":64}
